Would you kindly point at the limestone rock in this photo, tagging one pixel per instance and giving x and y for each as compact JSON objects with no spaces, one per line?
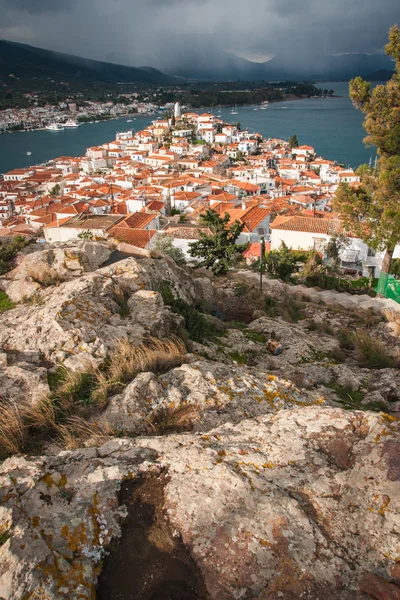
{"x":216,"y":393}
{"x":304,"y":503}
{"x":79,"y":321}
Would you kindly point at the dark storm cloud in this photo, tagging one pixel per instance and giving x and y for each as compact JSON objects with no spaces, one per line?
{"x":163,"y":32}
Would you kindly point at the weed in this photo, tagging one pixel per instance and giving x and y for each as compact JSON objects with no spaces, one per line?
{"x":350,"y":399}
{"x":254,"y":336}
{"x":241,"y":359}
{"x":241,"y":289}
{"x":5,"y":302}
{"x":196,"y":324}
{"x":158,"y":356}
{"x":173,"y":419}
{"x":345,"y":338}
{"x":372,"y":353}
{"x":121,"y":297}
{"x":34,"y":300}
{"x":75,"y":396}
{"x":320,"y":326}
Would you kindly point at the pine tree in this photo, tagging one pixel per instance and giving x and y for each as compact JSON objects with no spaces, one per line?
{"x":293,"y":142}
{"x":372,"y":210}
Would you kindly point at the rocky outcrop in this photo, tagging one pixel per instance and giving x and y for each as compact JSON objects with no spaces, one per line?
{"x":215,"y":392}
{"x":79,"y":320}
{"x":300,"y":504}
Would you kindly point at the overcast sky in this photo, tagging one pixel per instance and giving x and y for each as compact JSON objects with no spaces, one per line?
{"x":160,"y":32}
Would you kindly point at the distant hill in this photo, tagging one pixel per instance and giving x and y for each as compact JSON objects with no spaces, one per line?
{"x":228,"y":66}
{"x":381,"y":75}
{"x":28,"y":62}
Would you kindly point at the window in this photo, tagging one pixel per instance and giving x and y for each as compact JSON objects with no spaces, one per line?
{"x":261,"y":230}
{"x":370,"y":252}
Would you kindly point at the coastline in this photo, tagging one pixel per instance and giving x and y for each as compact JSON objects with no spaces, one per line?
{"x":118,"y":117}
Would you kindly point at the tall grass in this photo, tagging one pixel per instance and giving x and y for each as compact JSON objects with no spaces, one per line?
{"x":66,"y":414}
{"x":371,"y":352}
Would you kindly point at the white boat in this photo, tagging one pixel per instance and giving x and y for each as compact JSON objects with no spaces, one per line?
{"x":54,"y":127}
{"x":71,"y":123}
{"x":234,"y":111}
{"x":29,"y":153}
{"x":129,"y":121}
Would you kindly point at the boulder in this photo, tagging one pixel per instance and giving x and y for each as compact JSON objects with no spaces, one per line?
{"x":214,"y":392}
{"x":304,"y":503}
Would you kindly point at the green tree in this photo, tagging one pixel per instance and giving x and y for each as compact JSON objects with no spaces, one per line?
{"x":55,"y":190}
{"x":280,"y":263}
{"x":218,"y":250}
{"x":293,"y":141}
{"x":333,"y":248}
{"x":165,"y":244}
{"x":372,"y":210}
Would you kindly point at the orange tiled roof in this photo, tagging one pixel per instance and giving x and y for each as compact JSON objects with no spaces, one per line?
{"x":138,"y":220}
{"x":136,"y":237}
{"x":308,"y":225}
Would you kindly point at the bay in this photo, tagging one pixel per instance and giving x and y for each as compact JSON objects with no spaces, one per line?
{"x":331,"y":125}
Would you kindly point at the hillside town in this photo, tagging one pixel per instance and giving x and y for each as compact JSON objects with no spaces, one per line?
{"x":160,"y":181}
{"x":38,"y":115}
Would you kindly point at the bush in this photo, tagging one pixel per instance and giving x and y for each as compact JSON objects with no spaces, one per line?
{"x":9,"y":250}
{"x":164,"y":244}
{"x":372,"y":353}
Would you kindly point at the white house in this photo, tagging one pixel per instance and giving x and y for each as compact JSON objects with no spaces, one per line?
{"x":308,"y":233}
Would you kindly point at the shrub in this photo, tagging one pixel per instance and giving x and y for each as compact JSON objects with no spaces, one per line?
{"x":164,"y":244}
{"x":196,"y":324}
{"x":9,"y":250}
{"x":372,"y":353}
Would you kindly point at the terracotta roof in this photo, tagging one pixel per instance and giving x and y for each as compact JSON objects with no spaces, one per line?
{"x":308,"y":225}
{"x":136,"y":237}
{"x":138,"y":220}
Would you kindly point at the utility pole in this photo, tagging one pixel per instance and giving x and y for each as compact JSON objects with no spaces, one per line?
{"x":262,"y":254}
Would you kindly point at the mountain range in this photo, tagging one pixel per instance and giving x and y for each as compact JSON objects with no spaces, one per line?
{"x":228,"y":66}
{"x":28,"y":62}
{"x":23,"y":61}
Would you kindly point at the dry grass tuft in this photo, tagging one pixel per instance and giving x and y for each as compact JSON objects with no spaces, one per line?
{"x":158,"y":356}
{"x":43,"y":274}
{"x":12,"y":430}
{"x":393,"y":317}
{"x":66,"y":414}
{"x":77,"y":432}
{"x":371,"y":352}
{"x":170,"y":419}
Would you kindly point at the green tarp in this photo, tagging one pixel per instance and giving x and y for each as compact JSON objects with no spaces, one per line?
{"x":389,"y":287}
